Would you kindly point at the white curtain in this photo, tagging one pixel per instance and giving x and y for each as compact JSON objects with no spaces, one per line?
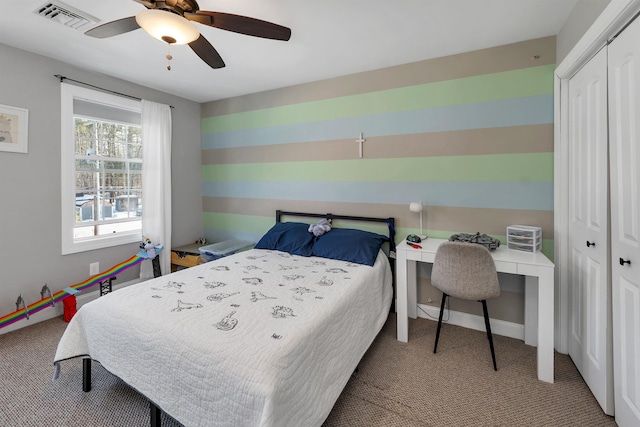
{"x":156,"y":182}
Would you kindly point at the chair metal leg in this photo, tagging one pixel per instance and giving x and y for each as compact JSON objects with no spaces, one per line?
{"x":86,"y":375}
{"x":444,"y":298}
{"x":155,"y":415}
{"x":486,"y":323}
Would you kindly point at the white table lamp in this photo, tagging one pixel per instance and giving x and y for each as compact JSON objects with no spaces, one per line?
{"x":417,"y":207}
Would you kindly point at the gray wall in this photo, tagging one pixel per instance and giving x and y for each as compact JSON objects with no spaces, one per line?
{"x":583,"y":15}
{"x":30,"y":235}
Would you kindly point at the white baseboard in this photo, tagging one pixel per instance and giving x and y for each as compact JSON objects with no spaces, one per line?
{"x":82,"y":299}
{"x":471,"y":321}
{"x":56,"y":311}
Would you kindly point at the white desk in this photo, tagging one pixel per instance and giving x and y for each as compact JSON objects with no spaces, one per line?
{"x":539,"y":306}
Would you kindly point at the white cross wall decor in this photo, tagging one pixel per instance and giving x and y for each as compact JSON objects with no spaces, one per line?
{"x":360,"y":140}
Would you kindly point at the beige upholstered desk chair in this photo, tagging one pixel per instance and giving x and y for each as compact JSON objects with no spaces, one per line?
{"x":465,"y":271}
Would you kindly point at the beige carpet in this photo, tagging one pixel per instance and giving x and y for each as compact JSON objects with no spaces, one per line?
{"x":397,"y":384}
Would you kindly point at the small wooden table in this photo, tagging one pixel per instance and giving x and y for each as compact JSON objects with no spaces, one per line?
{"x":185,"y":256}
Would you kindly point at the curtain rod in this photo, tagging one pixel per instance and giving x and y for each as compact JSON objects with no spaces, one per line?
{"x":63,"y":78}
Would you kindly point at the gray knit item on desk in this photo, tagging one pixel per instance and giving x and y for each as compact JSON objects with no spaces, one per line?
{"x":465,"y":271}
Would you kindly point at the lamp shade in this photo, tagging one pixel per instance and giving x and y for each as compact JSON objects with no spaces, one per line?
{"x":167,"y":26}
{"x":415,"y":207}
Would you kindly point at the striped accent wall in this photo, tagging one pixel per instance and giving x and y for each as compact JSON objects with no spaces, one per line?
{"x":470,"y":135}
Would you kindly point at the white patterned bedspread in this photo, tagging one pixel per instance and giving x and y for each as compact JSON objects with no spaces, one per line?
{"x":260,"y":338}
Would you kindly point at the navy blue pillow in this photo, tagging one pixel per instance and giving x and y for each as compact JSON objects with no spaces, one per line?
{"x":290,"y":237}
{"x":351,"y":245}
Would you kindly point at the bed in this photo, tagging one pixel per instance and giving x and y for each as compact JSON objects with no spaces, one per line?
{"x":265,"y":337}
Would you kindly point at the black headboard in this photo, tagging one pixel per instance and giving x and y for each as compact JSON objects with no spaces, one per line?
{"x":280,"y":214}
{"x":391,"y":223}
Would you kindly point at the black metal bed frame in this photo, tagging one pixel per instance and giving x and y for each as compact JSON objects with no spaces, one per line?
{"x":280,"y":214}
{"x":155,"y":413}
{"x":390,"y":221}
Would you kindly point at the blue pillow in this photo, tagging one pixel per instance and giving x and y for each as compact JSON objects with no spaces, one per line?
{"x":348,"y":244}
{"x":290,"y":237}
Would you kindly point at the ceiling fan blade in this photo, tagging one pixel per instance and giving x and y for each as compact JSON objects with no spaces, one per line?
{"x":206,"y":52}
{"x":114,"y":28}
{"x":147,"y":4}
{"x":241,"y":24}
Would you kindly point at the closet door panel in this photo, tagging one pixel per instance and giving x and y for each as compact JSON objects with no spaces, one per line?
{"x":624,"y":119}
{"x":577,"y":309}
{"x":624,"y":168}
{"x":589,"y":281}
{"x":596,"y":346}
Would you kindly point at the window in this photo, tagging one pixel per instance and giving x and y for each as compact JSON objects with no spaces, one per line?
{"x":101,"y":170}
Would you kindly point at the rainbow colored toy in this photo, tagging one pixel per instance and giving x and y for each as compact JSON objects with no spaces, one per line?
{"x":74,"y":289}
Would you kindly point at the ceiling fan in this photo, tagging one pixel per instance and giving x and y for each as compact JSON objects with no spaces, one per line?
{"x":178,"y":13}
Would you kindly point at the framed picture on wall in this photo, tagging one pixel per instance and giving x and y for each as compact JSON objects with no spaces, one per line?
{"x":14,"y":124}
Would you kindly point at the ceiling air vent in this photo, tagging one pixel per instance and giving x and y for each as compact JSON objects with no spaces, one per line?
{"x":66,"y":15}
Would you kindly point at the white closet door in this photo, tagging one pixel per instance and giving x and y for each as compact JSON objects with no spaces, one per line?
{"x":589,"y":280}
{"x":624,"y":133}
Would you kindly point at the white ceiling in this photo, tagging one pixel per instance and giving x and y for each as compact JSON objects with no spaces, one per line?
{"x":329,"y":38}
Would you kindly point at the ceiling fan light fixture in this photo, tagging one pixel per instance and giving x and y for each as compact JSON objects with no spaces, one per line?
{"x":167,"y":27}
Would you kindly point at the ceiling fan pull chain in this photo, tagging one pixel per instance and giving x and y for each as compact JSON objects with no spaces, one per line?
{"x":169,"y":57}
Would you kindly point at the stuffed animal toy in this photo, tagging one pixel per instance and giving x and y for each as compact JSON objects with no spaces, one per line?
{"x":148,"y":246}
{"x":323,"y":226}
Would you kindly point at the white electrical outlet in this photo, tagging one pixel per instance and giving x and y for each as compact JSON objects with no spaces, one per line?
{"x":94,"y":268}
